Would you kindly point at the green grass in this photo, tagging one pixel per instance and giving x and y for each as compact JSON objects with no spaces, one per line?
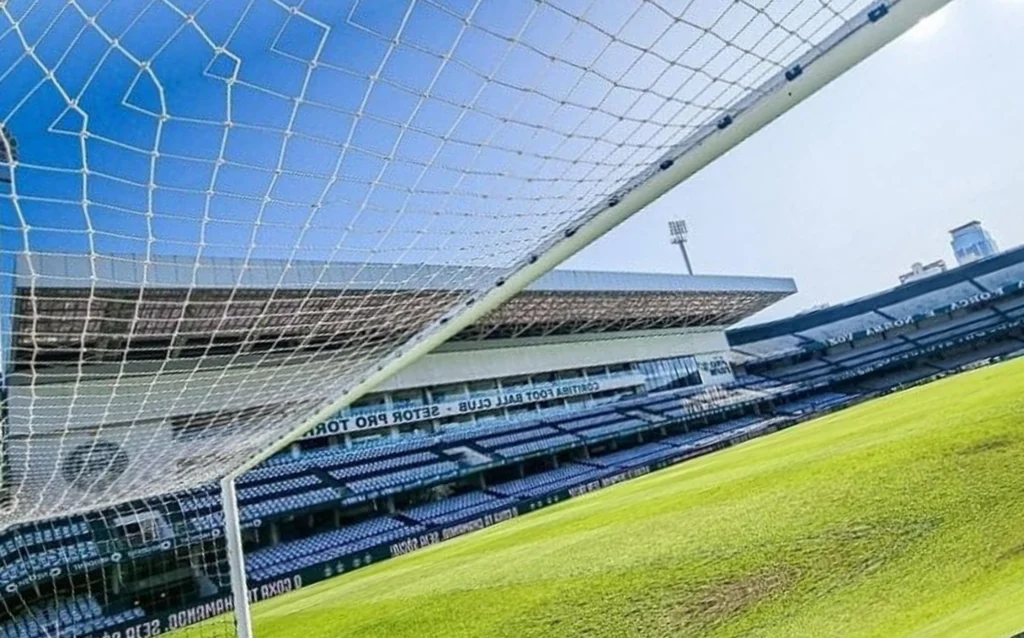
{"x":899,"y":517}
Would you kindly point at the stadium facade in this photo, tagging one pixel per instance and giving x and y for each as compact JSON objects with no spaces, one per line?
{"x":72,"y":337}
{"x":585,"y":380}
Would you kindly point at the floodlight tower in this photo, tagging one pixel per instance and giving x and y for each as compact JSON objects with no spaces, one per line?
{"x":677,"y":229}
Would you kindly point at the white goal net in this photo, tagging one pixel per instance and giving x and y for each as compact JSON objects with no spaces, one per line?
{"x":221,"y":220}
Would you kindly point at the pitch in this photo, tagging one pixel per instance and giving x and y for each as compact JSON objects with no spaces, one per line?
{"x":902,"y":516}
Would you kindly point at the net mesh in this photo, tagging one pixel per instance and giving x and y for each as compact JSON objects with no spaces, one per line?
{"x":217,"y":218}
{"x":221,"y":216}
{"x":137,"y":569}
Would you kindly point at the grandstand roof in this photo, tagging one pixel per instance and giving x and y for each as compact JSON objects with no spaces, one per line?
{"x":904,"y":292}
{"x":71,"y":308}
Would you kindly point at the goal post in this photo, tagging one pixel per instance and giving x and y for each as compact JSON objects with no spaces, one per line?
{"x":236,"y":558}
{"x":220,"y":228}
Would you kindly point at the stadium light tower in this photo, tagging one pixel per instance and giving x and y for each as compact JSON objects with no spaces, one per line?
{"x":677,"y":229}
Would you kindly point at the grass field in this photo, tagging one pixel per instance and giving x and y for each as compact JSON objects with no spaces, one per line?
{"x":899,"y":517}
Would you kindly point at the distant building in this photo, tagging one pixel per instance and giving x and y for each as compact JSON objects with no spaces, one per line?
{"x":921,"y":271}
{"x":814,"y":308}
{"x":972,"y":242}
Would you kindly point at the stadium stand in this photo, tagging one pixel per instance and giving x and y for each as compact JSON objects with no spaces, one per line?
{"x":84,"y":615}
{"x":815,"y":404}
{"x":992,"y":284}
{"x":550,"y":481}
{"x":455,"y":508}
{"x":340,"y":499}
{"x":282,"y":559}
{"x":639,"y":455}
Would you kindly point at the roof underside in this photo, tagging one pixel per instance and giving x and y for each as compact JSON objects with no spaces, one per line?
{"x":60,"y":319}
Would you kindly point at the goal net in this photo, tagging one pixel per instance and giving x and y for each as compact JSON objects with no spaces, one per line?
{"x":221,"y":222}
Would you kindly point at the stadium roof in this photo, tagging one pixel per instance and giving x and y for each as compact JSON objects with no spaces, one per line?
{"x":904,"y":292}
{"x":70,"y":308}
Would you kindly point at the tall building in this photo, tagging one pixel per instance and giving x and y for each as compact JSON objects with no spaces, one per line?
{"x":972,"y":242}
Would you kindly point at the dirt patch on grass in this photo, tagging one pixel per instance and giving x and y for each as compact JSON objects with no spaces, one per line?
{"x":831,"y":559}
{"x":719,"y":602}
{"x":988,"y":445}
{"x":736,"y":596}
{"x":858,"y":550}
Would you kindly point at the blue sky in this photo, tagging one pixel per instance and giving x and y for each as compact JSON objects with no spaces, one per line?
{"x":412,"y":138}
{"x":847,"y":190}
